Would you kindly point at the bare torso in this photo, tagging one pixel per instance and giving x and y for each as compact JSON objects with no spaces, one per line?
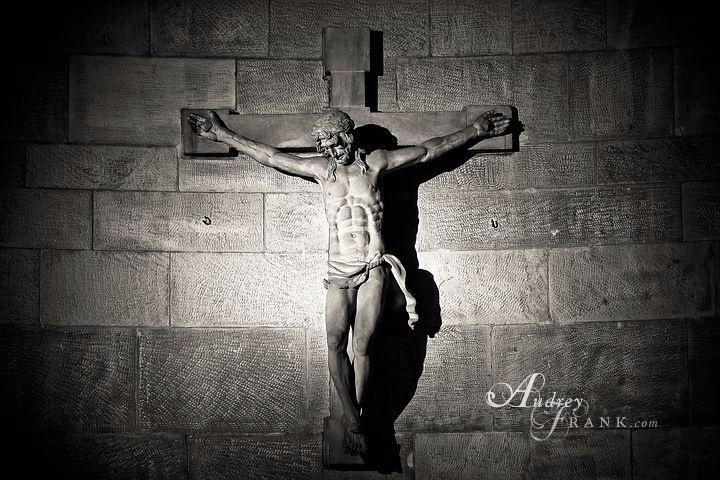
{"x":354,"y":209}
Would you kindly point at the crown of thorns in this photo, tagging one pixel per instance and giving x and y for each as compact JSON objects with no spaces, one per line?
{"x":333,"y":122}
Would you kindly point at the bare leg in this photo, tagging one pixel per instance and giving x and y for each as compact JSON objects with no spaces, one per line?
{"x":370,"y":299}
{"x":339,"y":307}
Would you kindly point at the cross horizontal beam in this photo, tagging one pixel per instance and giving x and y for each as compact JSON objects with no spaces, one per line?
{"x":292,"y":131}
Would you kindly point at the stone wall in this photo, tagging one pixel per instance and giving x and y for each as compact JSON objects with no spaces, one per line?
{"x":137,"y":341}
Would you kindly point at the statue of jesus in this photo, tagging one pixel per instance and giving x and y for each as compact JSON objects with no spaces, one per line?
{"x":358,"y":266}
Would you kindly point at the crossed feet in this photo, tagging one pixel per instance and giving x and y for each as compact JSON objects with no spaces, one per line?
{"x":355,"y":442}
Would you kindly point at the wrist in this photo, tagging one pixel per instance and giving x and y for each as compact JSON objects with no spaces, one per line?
{"x":223,"y":135}
{"x":480,"y":132}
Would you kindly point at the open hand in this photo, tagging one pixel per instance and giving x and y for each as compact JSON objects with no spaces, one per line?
{"x":492,"y":124}
{"x":212,"y":128}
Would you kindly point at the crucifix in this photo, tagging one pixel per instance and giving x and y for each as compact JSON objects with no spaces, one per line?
{"x":351,"y":178}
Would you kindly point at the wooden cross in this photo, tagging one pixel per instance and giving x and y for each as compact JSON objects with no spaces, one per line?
{"x":347,"y":60}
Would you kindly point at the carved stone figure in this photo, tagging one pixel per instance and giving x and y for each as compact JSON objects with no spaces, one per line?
{"x":358,"y":266}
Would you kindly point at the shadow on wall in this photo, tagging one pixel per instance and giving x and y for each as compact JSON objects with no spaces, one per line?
{"x":398,"y":350}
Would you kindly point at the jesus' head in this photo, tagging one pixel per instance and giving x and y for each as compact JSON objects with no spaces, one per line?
{"x":333,"y":134}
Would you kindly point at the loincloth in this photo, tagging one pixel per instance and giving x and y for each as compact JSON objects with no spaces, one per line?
{"x":344,"y":275}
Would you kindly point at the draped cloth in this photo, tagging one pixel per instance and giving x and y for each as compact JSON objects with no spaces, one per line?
{"x":354,"y":274}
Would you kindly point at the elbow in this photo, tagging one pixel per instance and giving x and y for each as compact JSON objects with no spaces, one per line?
{"x":431,"y":152}
{"x":427,"y":158}
{"x":272,"y":159}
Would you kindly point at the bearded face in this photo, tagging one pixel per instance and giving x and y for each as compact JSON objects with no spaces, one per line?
{"x":335,"y":146}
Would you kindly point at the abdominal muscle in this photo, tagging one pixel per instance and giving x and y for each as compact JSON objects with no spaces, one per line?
{"x":355,"y":228}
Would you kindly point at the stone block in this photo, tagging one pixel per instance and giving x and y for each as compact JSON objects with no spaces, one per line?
{"x":463,"y":28}
{"x":104,"y":288}
{"x":703,"y":364}
{"x":465,"y":220}
{"x":398,"y":464}
{"x":471,"y":455}
{"x":296,"y":26}
{"x":537,"y":85}
{"x":221,"y":289}
{"x":275,"y":457}
{"x":45,"y":218}
{"x":101,"y":167}
{"x":660,"y":160}
{"x":540,"y":93}
{"x":676,"y":453}
{"x":19,"y":270}
{"x":621,"y":94}
{"x":562,"y":165}
{"x":112,"y":457}
{"x":118,"y":27}
{"x":632,"y":282}
{"x":632,"y":370}
{"x":137,"y":100}
{"x":450,"y":372}
{"x":585,"y":455}
{"x":318,"y":377}
{"x":445,"y":84}
{"x":12,"y":164}
{"x":34,"y":99}
{"x":281,"y":86}
{"x":247,"y":380}
{"x":387,"y":86}
{"x":649,"y":23}
{"x":513,"y":455}
{"x":178,"y":221}
{"x":697,"y":102}
{"x":490,"y":287}
{"x":241,"y":174}
{"x":67,"y":380}
{"x":295,"y":222}
{"x":215,"y":28}
{"x":701,"y":210}
{"x":558,"y":25}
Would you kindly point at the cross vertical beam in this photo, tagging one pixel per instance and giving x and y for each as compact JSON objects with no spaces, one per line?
{"x":346,"y":56}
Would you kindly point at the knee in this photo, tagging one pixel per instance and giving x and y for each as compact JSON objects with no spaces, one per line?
{"x":337,"y":341}
{"x":361,"y":344}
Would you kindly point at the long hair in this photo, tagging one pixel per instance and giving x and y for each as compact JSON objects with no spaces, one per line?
{"x":333,"y":122}
{"x":332,"y":166}
{"x":337,"y":122}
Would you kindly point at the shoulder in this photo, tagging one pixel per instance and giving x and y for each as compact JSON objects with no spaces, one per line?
{"x":377,"y":160}
{"x":316,"y":163}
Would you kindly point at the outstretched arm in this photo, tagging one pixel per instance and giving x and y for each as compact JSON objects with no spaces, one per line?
{"x":214,"y":129}
{"x":487,"y":125}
